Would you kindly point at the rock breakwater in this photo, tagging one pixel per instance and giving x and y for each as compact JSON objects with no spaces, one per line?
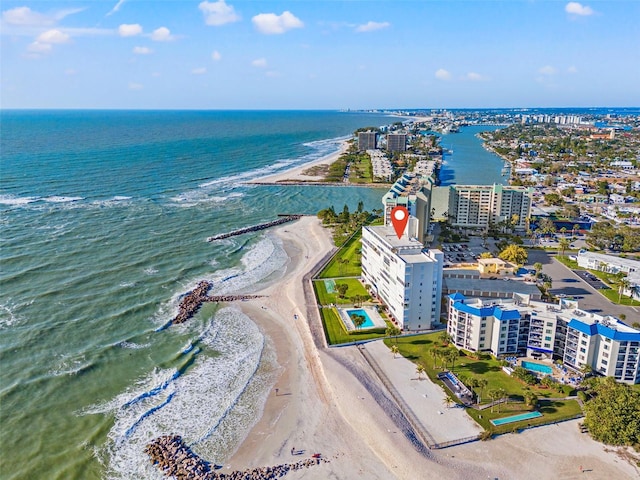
{"x":255,"y":228}
{"x":173,"y":456}
{"x":193,"y":300}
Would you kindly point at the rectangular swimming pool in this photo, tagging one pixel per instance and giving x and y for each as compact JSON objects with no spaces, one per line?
{"x":515,"y":418}
{"x":368,"y":323}
{"x":537,"y":367}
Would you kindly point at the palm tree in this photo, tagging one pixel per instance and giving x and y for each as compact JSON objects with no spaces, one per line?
{"x":538,"y":267}
{"x":482,"y":383}
{"x":493,"y":395}
{"x":394,"y":350}
{"x":530,"y":399}
{"x":575,"y":228}
{"x":452,"y":356}
{"x":444,"y":337}
{"x":420,"y":370}
{"x":564,"y":243}
{"x":622,"y":287}
{"x":586,"y":370}
{"x":447,"y":401}
{"x":393,"y":331}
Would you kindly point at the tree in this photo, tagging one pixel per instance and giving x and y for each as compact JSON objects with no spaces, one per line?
{"x":394,"y":350}
{"x":447,"y":401}
{"x":514,"y":254}
{"x":538,"y":268}
{"x":575,"y":229}
{"x":342,"y":288}
{"x":586,"y":370}
{"x":393,"y":331}
{"x":563,"y":244}
{"x":530,"y":399}
{"x":358,"y":320}
{"x":444,"y":337}
{"x":486,"y":255}
{"x":420,"y":370}
{"x":451,"y":356}
{"x":482,"y":384}
{"x":623,"y":286}
{"x":613,"y":415}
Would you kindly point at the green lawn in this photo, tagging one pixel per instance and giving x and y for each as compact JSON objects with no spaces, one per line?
{"x":326,"y":298}
{"x":552,"y":411}
{"x":337,"y":334}
{"x":348,"y":254}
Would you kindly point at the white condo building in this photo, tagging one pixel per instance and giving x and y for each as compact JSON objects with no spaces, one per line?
{"x":404,"y":275}
{"x":519,"y":326}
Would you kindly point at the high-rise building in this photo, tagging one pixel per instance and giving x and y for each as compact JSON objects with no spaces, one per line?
{"x":411,"y":192}
{"x":478,"y":206}
{"x":367,"y":141}
{"x":397,"y":142}
{"x":404,"y":275}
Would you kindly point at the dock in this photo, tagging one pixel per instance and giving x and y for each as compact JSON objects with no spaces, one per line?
{"x":255,"y":228}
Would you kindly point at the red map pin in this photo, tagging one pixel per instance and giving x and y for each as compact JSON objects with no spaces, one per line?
{"x":399,"y":219}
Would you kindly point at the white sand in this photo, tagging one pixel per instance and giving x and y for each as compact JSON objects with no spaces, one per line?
{"x":297,"y":174}
{"x":322,"y":406}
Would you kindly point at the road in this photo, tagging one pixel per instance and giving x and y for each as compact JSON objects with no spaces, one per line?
{"x":566,"y":282}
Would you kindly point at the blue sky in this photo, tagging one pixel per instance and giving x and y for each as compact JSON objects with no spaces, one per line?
{"x":319,"y":54}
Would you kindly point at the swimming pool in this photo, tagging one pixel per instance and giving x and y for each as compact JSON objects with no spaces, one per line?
{"x":515,"y":418}
{"x":368,"y":323}
{"x":537,"y":367}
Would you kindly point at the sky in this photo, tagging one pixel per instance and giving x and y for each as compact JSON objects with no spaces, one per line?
{"x":321,"y":54}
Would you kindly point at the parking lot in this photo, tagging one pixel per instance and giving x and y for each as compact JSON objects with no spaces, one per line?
{"x":591,"y":279}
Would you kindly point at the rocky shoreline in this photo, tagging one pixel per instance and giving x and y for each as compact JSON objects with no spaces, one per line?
{"x":193,"y":300}
{"x":172,"y":455}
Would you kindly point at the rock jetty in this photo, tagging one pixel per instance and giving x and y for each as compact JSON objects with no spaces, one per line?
{"x":193,"y":300}
{"x":173,"y":456}
{"x":255,"y":228}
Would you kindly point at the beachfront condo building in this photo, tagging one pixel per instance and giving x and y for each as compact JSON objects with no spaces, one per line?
{"x":397,"y":142}
{"x":403,"y":275}
{"x":563,"y":331}
{"x":479,"y":206}
{"x":367,"y":141}
{"x":409,"y":191}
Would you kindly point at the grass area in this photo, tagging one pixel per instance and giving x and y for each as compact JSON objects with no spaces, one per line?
{"x":326,"y":298}
{"x":336,"y":333}
{"x":346,"y":262}
{"x":552,"y":411}
{"x":420,"y":349}
{"x":566,"y":261}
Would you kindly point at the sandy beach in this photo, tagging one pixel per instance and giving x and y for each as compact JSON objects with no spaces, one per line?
{"x":329,"y":401}
{"x":297,"y":174}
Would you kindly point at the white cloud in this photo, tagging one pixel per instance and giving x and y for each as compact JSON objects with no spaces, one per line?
{"x":272,"y":74}
{"x":162,"y":34}
{"x":272,"y":24}
{"x":53,"y":36}
{"x":215,"y":56}
{"x":572,"y":69}
{"x":218,"y":13}
{"x":142,"y":50}
{"x":70,"y":71}
{"x":199,"y":71}
{"x":135,"y":86}
{"x":576,"y":8}
{"x":129,"y":30}
{"x":372,"y":26}
{"x":259,"y":62}
{"x":155,"y":74}
{"x":547,"y":70}
{"x":39,"y":47}
{"x":116,"y":7}
{"x":474,"y":77}
{"x":24,"y":16}
{"x":442,"y":74}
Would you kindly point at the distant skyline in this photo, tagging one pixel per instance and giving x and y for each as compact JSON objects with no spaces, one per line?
{"x":132,"y":54}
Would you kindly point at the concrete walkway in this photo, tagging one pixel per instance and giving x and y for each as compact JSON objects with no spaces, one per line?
{"x":425,"y":399}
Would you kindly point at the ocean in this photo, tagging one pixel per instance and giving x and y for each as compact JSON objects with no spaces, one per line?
{"x":105,"y":216}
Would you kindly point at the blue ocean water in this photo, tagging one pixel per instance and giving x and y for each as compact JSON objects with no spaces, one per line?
{"x":104,"y":218}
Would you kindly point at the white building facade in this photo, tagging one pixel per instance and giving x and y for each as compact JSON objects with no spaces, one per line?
{"x":404,"y":275}
{"x":562,"y":331}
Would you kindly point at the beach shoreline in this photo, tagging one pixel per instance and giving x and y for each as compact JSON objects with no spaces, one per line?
{"x":297,"y":175}
{"x":328,"y":401}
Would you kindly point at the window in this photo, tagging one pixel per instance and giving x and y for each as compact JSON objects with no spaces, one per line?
{"x":605,"y":355}
{"x":548,"y":330}
{"x":549,"y":324}
{"x":606,"y":347}
{"x":482,"y":339}
{"x":548,"y":339}
{"x":583,"y":342}
{"x":583,"y":350}
{"x":604,"y":362}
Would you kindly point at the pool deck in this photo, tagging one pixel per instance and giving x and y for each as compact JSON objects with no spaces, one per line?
{"x":427,"y":399}
{"x":378,"y":321}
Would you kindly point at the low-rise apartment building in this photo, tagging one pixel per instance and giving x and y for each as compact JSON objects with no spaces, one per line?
{"x":523,"y":327}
